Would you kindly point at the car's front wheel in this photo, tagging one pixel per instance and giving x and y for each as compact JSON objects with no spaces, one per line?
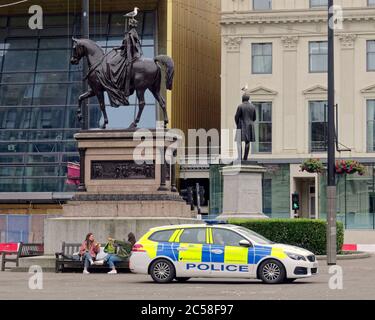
{"x":272,"y":272}
{"x":162,"y":271}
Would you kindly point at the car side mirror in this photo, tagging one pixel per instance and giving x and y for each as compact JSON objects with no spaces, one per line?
{"x":245,"y":243}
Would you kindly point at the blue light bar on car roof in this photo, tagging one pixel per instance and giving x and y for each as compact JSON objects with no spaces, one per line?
{"x":212,"y":222}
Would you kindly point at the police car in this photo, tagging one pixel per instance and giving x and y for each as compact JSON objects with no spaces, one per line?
{"x":217,"y":250}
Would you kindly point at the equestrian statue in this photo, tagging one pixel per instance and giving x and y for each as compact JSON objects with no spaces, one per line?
{"x":121,"y":72}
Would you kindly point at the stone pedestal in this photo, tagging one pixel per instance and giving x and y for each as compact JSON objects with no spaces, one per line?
{"x":117,"y":194}
{"x":108,"y":162}
{"x":242,"y":192}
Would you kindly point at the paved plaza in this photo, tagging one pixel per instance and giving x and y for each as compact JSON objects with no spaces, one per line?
{"x":358,"y":283}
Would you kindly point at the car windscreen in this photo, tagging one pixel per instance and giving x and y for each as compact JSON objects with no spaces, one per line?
{"x":254,"y":236}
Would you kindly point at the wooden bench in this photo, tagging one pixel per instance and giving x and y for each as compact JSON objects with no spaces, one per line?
{"x":24,"y":250}
{"x":65,"y":260}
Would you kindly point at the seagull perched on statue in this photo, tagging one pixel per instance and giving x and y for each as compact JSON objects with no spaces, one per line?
{"x":132,"y":14}
{"x":245,"y":88}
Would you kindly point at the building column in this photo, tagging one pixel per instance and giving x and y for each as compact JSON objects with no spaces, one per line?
{"x":290,"y":109}
{"x":230,"y":98}
{"x":347,"y":119}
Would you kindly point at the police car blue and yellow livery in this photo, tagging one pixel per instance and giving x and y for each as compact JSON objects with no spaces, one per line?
{"x":218,"y":250}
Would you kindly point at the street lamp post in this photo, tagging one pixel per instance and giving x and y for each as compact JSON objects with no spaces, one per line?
{"x":85,"y":25}
{"x":85,"y":34}
{"x":331,"y":183}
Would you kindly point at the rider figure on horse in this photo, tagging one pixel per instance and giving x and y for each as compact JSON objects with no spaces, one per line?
{"x":131,"y":51}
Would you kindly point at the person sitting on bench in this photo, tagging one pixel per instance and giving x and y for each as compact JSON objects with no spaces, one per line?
{"x":123,"y":251}
{"x":88,"y":251}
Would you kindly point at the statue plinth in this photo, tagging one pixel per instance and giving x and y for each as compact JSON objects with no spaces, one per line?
{"x":121,"y":195}
{"x":110,"y":166}
{"x":242,"y":191}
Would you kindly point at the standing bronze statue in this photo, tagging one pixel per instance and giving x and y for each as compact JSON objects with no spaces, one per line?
{"x":245,"y":118}
{"x":121,"y":72}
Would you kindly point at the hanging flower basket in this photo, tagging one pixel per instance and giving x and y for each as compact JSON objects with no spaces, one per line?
{"x":349,"y":167}
{"x":312,"y":166}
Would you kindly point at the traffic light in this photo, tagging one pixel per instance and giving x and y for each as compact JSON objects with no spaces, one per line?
{"x":295,"y":201}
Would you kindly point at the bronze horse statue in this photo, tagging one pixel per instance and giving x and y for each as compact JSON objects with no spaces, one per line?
{"x":145,"y":74}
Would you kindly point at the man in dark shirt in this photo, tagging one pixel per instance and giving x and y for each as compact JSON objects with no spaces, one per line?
{"x":245,"y":118}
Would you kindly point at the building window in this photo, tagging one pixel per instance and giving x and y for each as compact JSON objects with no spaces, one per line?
{"x":263,"y":128}
{"x":262,"y":58}
{"x":318,"y":56}
{"x":371,"y":55}
{"x":262,"y":4}
{"x":371,"y":3}
{"x":318,"y":3}
{"x":371,"y":125}
{"x":318,"y":126}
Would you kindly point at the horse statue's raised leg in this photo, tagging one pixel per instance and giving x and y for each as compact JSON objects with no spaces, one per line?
{"x":81,"y":98}
{"x":101,"y":100}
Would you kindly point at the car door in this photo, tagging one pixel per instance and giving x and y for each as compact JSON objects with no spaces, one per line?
{"x":193,"y":253}
{"x":228,"y":257}
{"x":165,"y":246}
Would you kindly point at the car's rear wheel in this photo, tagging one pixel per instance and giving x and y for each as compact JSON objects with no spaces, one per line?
{"x":181,"y":279}
{"x":162,"y":271}
{"x":272,"y":272}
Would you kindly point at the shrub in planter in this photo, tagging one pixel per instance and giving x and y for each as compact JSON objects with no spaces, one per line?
{"x":304,"y":233}
{"x":312,"y":166}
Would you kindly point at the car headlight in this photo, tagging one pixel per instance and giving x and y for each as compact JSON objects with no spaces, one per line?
{"x":295,"y":256}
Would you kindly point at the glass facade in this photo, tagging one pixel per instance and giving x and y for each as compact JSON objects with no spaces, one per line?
{"x":39,"y":92}
{"x":355,"y":195}
{"x":216,"y":190}
{"x":276,"y":191}
{"x":370,"y":125}
{"x":355,"y":199}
